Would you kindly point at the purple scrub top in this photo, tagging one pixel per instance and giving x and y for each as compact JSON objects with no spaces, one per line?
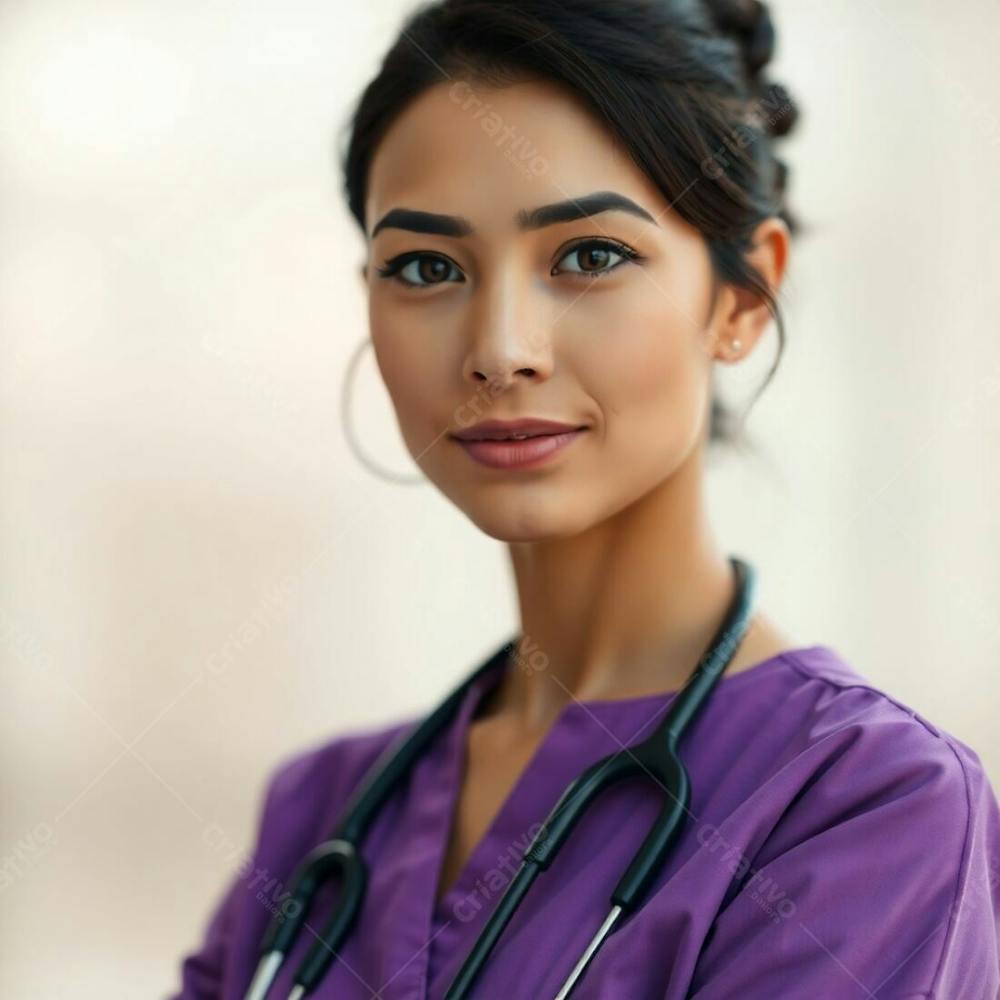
{"x":838,"y":846}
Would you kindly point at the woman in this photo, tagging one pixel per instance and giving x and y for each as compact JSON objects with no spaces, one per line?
{"x":572,"y":211}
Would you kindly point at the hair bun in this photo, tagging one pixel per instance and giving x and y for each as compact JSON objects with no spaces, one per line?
{"x":750,"y":21}
{"x":786,"y":112}
{"x":759,"y":49}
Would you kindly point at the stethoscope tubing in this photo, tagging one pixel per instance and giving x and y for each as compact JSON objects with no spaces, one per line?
{"x":655,"y":757}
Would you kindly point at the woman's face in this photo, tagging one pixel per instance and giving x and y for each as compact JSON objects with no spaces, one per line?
{"x":599,"y":322}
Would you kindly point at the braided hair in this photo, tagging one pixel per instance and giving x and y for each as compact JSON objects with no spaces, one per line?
{"x":679,"y":83}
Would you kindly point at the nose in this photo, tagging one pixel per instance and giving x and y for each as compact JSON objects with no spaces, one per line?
{"x":508,"y":336}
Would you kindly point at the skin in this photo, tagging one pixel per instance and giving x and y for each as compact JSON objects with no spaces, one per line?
{"x":620,"y":581}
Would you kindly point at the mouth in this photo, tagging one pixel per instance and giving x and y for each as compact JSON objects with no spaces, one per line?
{"x":515,"y":430}
{"x":517,"y":436}
{"x":518,"y":449}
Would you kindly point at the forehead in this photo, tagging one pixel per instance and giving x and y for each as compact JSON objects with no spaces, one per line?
{"x":485,"y":153}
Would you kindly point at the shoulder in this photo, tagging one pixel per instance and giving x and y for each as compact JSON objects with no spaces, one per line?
{"x":850,"y":740}
{"x":337,"y":758}
{"x":306,"y":789}
{"x":301,"y":801}
{"x":879,"y":820}
{"x":846,"y":714}
{"x":808,"y":717}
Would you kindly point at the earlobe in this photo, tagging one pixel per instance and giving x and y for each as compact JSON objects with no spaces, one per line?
{"x":731,"y":346}
{"x":744,"y":326}
{"x":733,"y":349}
{"x":734,"y":332}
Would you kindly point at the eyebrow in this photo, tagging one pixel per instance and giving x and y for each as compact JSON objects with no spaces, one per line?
{"x":545,"y":215}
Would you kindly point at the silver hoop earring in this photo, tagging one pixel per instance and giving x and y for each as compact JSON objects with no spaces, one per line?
{"x":352,"y":441}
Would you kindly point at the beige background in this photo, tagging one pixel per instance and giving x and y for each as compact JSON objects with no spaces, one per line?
{"x":199,"y":579}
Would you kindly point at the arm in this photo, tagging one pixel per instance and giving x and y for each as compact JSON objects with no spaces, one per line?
{"x":302,"y":801}
{"x":878,"y":881}
{"x":202,"y":969}
{"x":232,"y":932}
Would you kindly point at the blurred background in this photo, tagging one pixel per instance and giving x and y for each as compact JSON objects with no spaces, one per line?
{"x":199,"y":579}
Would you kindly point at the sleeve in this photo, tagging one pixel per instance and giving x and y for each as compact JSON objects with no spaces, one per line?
{"x":970,"y":956}
{"x":878,"y":880}
{"x":300,"y":801}
{"x":203,"y":970}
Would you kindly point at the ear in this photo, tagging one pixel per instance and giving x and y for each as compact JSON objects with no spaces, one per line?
{"x":743,"y":315}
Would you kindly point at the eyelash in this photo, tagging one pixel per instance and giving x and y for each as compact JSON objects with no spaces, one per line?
{"x":392,"y":268}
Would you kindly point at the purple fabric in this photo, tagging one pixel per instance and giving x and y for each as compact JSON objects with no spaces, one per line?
{"x":838,"y":846}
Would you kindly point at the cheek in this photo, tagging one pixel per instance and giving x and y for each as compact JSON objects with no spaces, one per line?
{"x":645,"y":370}
{"x":412,"y":359}
{"x":650,"y":382}
{"x":396,"y":349}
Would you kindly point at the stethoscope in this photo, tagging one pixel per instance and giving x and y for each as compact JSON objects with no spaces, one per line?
{"x":654,"y":757}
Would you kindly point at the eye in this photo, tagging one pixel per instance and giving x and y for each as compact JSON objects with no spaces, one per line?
{"x":419,"y":269}
{"x":593,"y":256}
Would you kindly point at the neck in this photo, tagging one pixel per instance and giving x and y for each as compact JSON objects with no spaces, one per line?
{"x":624,"y":609}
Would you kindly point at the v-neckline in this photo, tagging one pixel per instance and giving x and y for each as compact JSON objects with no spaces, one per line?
{"x":458,"y":760}
{"x":456,"y":756}
{"x":458,"y":752}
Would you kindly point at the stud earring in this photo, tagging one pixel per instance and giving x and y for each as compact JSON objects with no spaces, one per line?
{"x":735,"y":344}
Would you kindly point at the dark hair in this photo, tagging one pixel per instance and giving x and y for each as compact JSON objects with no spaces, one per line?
{"x":679,"y":82}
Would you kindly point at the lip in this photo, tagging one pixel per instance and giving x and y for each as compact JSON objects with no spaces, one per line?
{"x":547,"y":439}
{"x":493,"y":430}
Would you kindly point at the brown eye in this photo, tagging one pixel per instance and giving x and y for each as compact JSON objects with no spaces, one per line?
{"x":420,"y":270}
{"x":596,"y":258}
{"x":431,"y":269}
{"x":593,"y":258}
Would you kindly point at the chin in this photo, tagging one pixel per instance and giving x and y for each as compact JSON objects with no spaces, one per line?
{"x":527,"y":522}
